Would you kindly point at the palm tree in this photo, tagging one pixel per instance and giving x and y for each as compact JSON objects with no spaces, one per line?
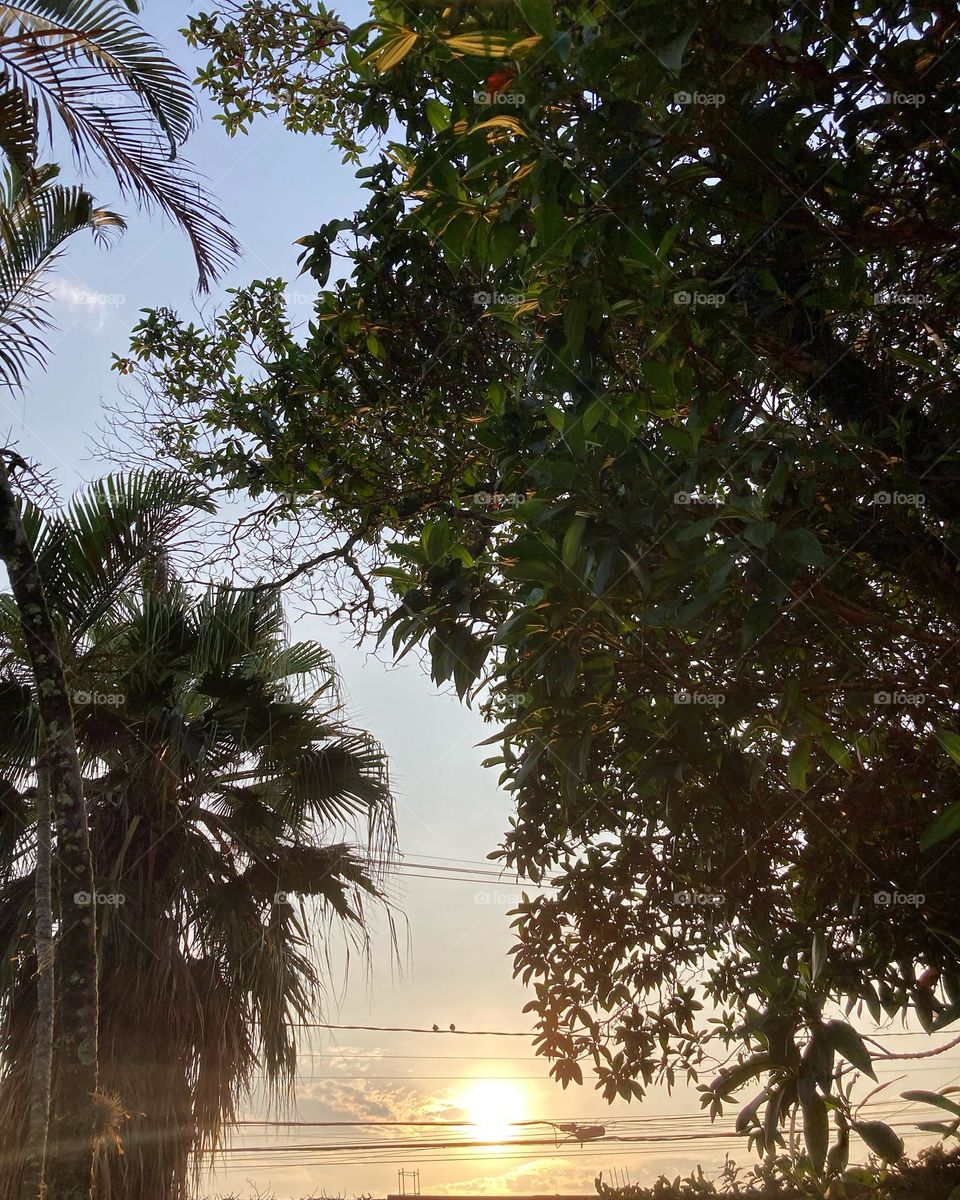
{"x":87,"y":68}
{"x":111,"y":531}
{"x":59,"y":775}
{"x":222,"y":788}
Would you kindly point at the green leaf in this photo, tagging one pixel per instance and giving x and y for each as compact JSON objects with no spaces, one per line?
{"x":945,"y":824}
{"x":538,"y":14}
{"x":660,"y":378}
{"x":798,"y":764}
{"x":837,"y":751}
{"x":438,"y":115}
{"x":950,"y":741}
{"x":801,"y":546}
{"x":818,"y":956}
{"x":503,"y":241}
{"x":818,"y":1057}
{"x":435,"y":539}
{"x":571,"y":541}
{"x":454,"y":237}
{"x":671,"y":54}
{"x":881,"y":1139}
{"x":748,"y":1114}
{"x":935,"y":1099}
{"x":816,"y":1132}
{"x":761,"y":534}
{"x":696,"y":529}
{"x":735,"y":1077}
{"x":771,"y":1120}
{"x":847,"y":1042}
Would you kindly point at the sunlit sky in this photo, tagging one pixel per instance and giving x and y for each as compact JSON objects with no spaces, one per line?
{"x":453,"y":965}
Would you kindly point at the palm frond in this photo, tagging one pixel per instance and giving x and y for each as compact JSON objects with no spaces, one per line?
{"x":87,"y":553}
{"x":86,"y":65}
{"x":234,"y":625}
{"x":18,"y":128}
{"x":19,"y":727}
{"x":99,"y":34}
{"x":335,"y":874}
{"x":35,"y":221}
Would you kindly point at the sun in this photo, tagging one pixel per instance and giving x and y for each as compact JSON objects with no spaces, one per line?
{"x":492,"y":1108}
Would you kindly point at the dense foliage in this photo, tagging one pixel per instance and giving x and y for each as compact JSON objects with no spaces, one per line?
{"x":640,"y":393}
{"x":934,"y":1175}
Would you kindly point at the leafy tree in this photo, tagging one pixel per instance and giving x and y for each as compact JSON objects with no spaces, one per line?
{"x":640,"y":395}
{"x":220,"y":782}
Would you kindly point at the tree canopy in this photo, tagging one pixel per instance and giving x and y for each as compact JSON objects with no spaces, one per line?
{"x":639,"y":393}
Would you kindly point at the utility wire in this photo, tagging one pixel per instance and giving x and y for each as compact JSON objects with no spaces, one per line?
{"x":449,"y":1057}
{"x":404,"y":1029}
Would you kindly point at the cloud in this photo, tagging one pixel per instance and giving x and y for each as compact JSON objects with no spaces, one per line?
{"x":85,"y":302}
{"x":373,"y":1100}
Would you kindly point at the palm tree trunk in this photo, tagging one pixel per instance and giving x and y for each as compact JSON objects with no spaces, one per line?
{"x":71,"y":1145}
{"x":31,"y":1179}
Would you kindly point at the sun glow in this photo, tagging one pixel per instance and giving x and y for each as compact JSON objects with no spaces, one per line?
{"x":492,"y":1107}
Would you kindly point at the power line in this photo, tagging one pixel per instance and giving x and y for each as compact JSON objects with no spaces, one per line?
{"x":411,"y":1146}
{"x":947,"y":1064}
{"x":460,"y":1079}
{"x":404,"y":1029}
{"x":612,"y":1124}
{"x":450,"y":1057}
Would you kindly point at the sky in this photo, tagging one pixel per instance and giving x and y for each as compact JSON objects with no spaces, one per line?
{"x":453,"y":966}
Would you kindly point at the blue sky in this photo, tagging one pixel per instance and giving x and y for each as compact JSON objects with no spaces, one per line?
{"x":276,"y":186}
